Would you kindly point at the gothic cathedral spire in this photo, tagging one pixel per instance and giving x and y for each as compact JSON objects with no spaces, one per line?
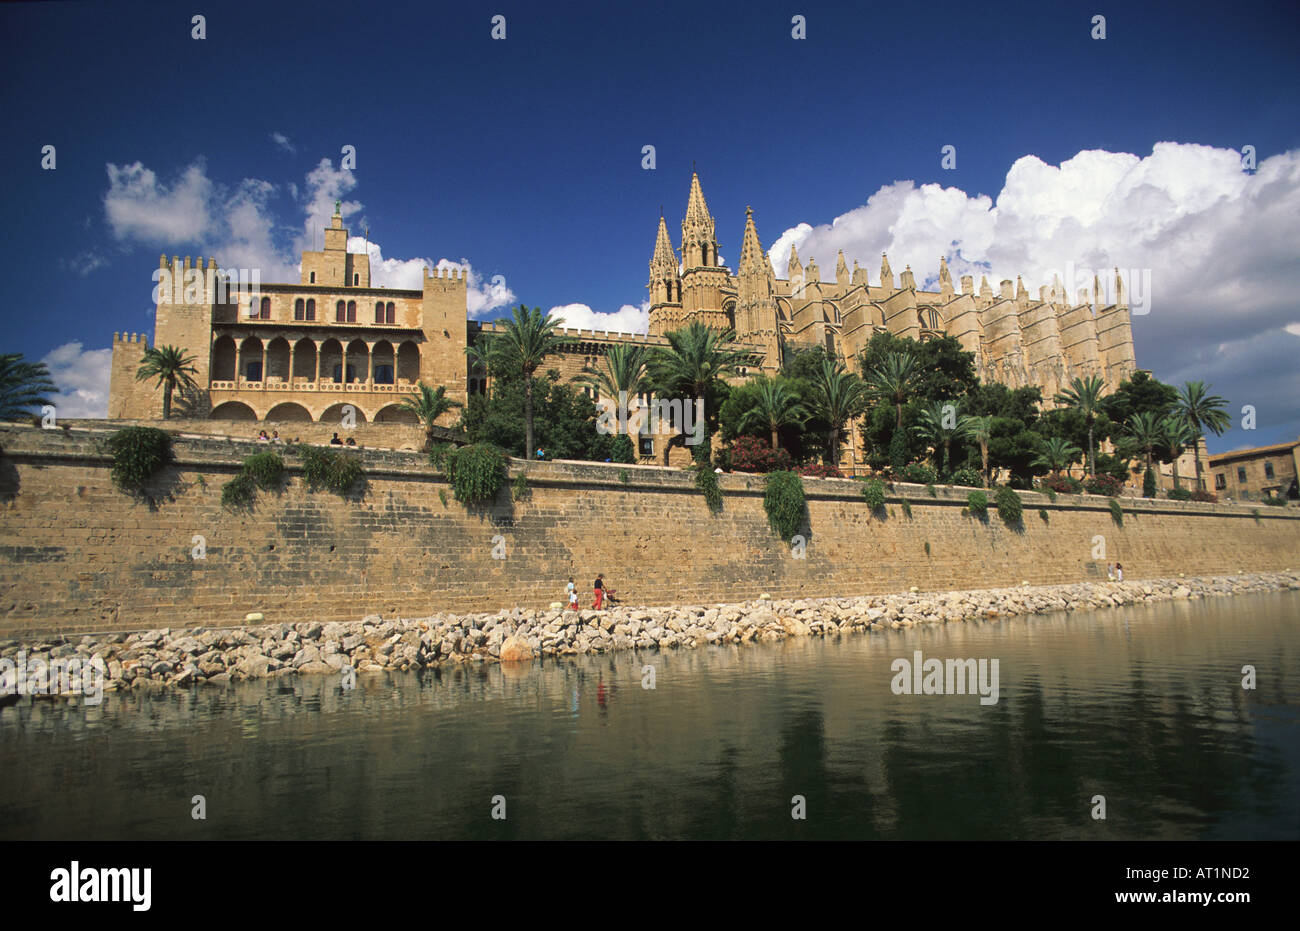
{"x":699,"y":242}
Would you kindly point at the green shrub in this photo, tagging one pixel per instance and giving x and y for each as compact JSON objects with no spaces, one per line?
{"x":1149,"y":483}
{"x":873,"y":492}
{"x":1255,"y":511}
{"x":931,"y":489}
{"x":323,"y":468}
{"x":1116,"y":513}
{"x":784,"y":503}
{"x":970,"y":478}
{"x":239,"y":492}
{"x":442,"y":496}
{"x":1274,"y":501}
{"x":1179,"y":494}
{"x":266,"y":469}
{"x":907,"y":509}
{"x":1201,"y":495}
{"x":927,"y":547}
{"x":476,"y":473}
{"x":1042,"y":512}
{"x":201,"y":480}
{"x":706,"y":480}
{"x":1051,"y":495}
{"x":138,"y":454}
{"x":621,"y":450}
{"x":522,"y":492}
{"x":918,"y":473}
{"x":438,"y":455}
{"x":1009,"y":505}
{"x":623,"y":476}
{"x":978,"y":503}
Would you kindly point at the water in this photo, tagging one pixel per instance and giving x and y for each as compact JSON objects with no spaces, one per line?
{"x":1143,"y":705}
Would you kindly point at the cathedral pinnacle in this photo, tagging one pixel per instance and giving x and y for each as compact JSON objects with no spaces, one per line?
{"x":752,"y":259}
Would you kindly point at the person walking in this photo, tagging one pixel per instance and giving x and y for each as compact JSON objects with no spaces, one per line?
{"x":1119,"y":572}
{"x":599,"y":586}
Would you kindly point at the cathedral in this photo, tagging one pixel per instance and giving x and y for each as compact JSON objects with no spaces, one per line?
{"x":1016,"y":340}
{"x":335,"y":345}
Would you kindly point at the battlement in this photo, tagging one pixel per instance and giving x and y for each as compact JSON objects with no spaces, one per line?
{"x":499,"y":326}
{"x":131,"y":338}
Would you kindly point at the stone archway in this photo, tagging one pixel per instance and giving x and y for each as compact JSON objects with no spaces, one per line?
{"x":233,"y":410}
{"x":288,"y":412}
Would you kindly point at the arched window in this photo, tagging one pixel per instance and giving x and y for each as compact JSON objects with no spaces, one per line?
{"x":266,"y":309}
{"x":298,"y":310}
{"x":379,"y":311}
{"x":390,"y":315}
{"x":311,"y":308}
{"x":340,"y":312}
{"x":352,"y":311}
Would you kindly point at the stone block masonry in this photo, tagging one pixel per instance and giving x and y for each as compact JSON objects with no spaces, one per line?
{"x":79,"y":556}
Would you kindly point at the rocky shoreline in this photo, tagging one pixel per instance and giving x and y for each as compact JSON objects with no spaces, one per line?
{"x":163,"y":658}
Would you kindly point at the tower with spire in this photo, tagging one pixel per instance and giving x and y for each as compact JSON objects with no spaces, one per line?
{"x":703,"y":289}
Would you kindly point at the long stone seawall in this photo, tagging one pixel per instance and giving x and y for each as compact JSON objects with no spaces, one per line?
{"x":77,"y":555}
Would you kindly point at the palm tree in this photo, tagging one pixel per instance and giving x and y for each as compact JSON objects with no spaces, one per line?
{"x":429,"y":404}
{"x":624,"y":371}
{"x":1056,"y":454}
{"x":1202,"y":411}
{"x":172,"y":368}
{"x":892,"y":379}
{"x":777,"y":406}
{"x":980,"y":429}
{"x":839,"y":397}
{"x":519,"y":349}
{"x":1144,"y":433}
{"x":932,"y":427}
{"x":695,"y":358}
{"x":1084,"y":395}
{"x":1175,"y":437}
{"x":23,"y":385}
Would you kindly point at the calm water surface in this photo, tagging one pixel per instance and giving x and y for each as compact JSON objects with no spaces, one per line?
{"x":1143,"y":705}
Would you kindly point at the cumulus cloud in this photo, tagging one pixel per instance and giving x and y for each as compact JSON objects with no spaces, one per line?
{"x":81,"y":376}
{"x":283,"y":142}
{"x":139,"y":207}
{"x":627,"y":319}
{"x":1217,"y":243}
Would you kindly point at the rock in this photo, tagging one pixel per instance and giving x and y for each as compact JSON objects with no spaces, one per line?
{"x":515,"y":650}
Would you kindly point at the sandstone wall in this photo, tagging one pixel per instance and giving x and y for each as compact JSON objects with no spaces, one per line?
{"x":76,"y":555}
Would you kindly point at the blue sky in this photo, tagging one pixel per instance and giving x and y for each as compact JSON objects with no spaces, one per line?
{"x":522,"y":157}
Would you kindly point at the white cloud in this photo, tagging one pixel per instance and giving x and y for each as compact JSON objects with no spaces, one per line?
{"x":283,"y":142}
{"x":1219,"y":245}
{"x":138,"y":207}
{"x":627,"y":319}
{"x":82,"y":380}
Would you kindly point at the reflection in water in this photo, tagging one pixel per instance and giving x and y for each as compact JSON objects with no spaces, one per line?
{"x":1143,"y":705}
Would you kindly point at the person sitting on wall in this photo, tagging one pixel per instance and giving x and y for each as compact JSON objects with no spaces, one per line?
{"x":262,"y":437}
{"x":275,"y":438}
{"x":351,"y":442}
{"x":336,"y":441}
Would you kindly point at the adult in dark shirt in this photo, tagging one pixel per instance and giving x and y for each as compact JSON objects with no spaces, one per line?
{"x":336,"y":441}
{"x":599,"y":586}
